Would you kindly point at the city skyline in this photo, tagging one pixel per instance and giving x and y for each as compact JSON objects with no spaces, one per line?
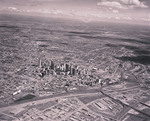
{"x":134,"y":11}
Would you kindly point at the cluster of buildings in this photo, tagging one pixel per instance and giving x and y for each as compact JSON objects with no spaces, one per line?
{"x":80,"y":74}
{"x":64,"y":107}
{"x":57,"y":112}
{"x":33,"y":114}
{"x":10,"y":90}
{"x":71,"y":74}
{"x":65,"y":75}
{"x":85,"y":115}
{"x":129,"y":96}
{"x":108,"y":106}
{"x":51,"y":67}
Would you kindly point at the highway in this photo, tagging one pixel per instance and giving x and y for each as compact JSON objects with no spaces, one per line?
{"x":52,"y":98}
{"x":78,"y":93}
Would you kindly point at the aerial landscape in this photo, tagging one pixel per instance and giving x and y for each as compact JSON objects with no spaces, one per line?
{"x":72,"y":64}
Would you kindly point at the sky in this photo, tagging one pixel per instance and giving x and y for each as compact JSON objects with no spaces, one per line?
{"x":87,"y":10}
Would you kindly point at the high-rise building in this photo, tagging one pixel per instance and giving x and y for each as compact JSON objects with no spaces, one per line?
{"x":67,"y":68}
{"x":62,"y":67}
{"x":73,"y":71}
{"x":52,"y":65}
{"x":40,"y":63}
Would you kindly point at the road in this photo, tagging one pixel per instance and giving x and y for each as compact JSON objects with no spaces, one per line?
{"x":52,"y":98}
{"x":127,"y":107}
{"x":78,"y":93}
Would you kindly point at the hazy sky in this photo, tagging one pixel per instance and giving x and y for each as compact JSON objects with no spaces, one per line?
{"x":113,"y":10}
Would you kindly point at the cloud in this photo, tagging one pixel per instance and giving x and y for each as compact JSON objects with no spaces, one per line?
{"x":122,"y":4}
{"x":134,"y":3}
{"x":127,"y":18}
{"x":47,"y":11}
{"x":12,"y":8}
{"x":146,"y":19}
{"x":118,"y":18}
{"x":115,"y":11}
{"x":110,"y":4}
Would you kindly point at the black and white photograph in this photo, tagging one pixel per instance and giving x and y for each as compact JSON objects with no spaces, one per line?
{"x":74,"y":60}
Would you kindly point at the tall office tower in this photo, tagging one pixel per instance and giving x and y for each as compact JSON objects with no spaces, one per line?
{"x":40,"y":63}
{"x":73,"y":71}
{"x":52,"y":65}
{"x":47,"y":63}
{"x":70,"y":70}
{"x":84,"y":71}
{"x":67,"y":68}
{"x":62,"y":67}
